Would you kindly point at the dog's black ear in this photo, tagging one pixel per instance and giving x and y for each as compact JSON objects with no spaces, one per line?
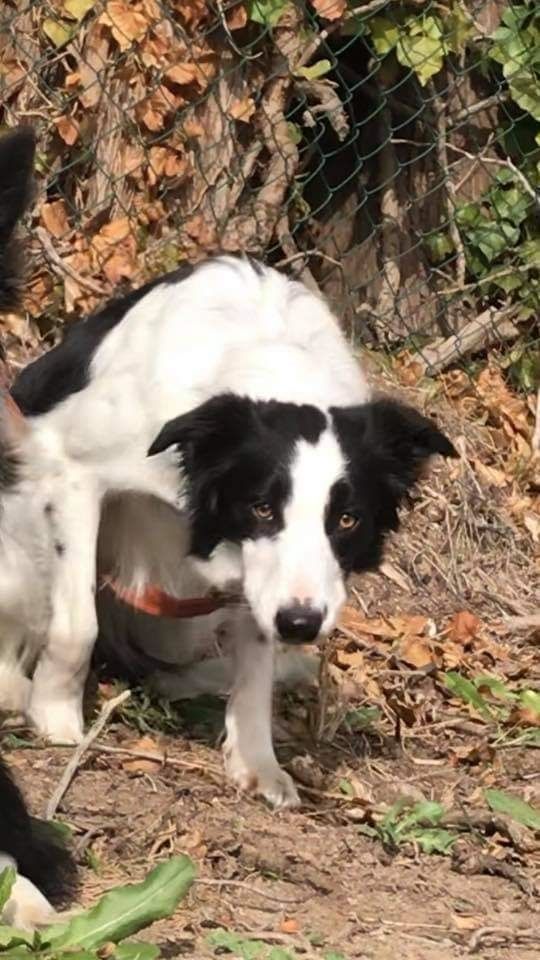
{"x":16,"y":188}
{"x":399,"y":438}
{"x":17,"y":150}
{"x":220,"y":423}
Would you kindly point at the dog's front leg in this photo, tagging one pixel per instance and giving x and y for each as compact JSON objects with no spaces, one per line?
{"x":59,"y":678}
{"x":250,"y":760}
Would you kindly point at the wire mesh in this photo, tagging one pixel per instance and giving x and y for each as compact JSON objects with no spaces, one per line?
{"x":386,"y":153}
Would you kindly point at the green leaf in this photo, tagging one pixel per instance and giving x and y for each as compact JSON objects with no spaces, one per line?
{"x":278,"y":953}
{"x":316,"y":70}
{"x":439,"y":246}
{"x":384,"y":34}
{"x":422,"y":47}
{"x":125,"y":910}
{"x":529,"y":252}
{"x":511,"y":204}
{"x":513,"y":807}
{"x":266,"y":12}
{"x":435,"y":840}
{"x":458,"y":27}
{"x":511,"y":281}
{"x":530,"y":699}
{"x":240,"y":946}
{"x":427,"y":811}
{"x":461,"y":687}
{"x":10,"y":937}
{"x":362,"y":717}
{"x":77,"y":9}
{"x":58,"y":31}
{"x":346,"y":788}
{"x":8,"y":877}
{"x":525,"y":90}
{"x":495,"y":687}
{"x":134,"y":951}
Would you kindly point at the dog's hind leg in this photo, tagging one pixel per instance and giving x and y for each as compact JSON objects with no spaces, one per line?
{"x":58,"y":683}
{"x":250,"y":760}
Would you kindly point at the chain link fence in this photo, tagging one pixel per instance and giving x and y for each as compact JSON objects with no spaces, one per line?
{"x":387,"y":153}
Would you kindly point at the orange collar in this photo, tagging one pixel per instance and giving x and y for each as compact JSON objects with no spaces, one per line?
{"x":155,"y":602}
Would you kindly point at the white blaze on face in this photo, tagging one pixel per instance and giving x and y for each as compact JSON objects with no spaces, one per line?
{"x":298,"y":566}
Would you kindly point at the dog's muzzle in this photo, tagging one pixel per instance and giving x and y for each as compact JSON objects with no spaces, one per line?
{"x":298,"y":624}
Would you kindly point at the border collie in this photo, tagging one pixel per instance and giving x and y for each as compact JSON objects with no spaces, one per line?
{"x":211,"y":430}
{"x":33,"y":847}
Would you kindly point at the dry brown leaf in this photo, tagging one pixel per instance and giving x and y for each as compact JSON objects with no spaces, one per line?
{"x":127,"y":23}
{"x":467,"y":923}
{"x":346,"y":659}
{"x":54,"y":218}
{"x":502,"y":403}
{"x":490,"y":475}
{"x":416,"y":652}
{"x":330,"y":9}
{"x":289,"y":925}
{"x":237,"y":17}
{"x":68,"y":128}
{"x":114,"y":250}
{"x":182,"y":73}
{"x":463,"y":627}
{"x":153,"y":110}
{"x":242,"y":109}
{"x":163,"y":162}
{"x":140,"y":764}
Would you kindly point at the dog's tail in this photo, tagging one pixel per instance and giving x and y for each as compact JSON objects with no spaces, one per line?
{"x":47,"y":873}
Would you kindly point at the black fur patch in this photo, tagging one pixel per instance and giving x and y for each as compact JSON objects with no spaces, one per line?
{"x":64,"y":369}
{"x":16,"y":186}
{"x":386,"y":445}
{"x":236,"y":454}
{"x":34,"y":845}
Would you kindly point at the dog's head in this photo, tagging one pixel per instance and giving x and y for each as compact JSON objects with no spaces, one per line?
{"x":290,"y":500}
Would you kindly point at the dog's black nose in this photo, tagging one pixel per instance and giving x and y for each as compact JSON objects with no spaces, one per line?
{"x":299,"y":624}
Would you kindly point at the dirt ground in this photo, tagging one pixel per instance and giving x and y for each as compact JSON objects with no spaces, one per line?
{"x":458,"y":595}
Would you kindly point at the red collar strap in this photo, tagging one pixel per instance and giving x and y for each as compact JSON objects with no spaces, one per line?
{"x":155,"y":602}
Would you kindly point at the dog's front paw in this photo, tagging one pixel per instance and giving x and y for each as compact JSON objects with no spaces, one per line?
{"x":58,"y":723}
{"x":265,"y":778}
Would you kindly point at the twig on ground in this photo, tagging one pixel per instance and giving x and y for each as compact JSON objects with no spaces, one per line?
{"x":108,"y":708}
{"x":247,"y":886}
{"x":488,"y":327}
{"x":504,"y":935}
{"x":62,"y":268}
{"x":155,"y":756}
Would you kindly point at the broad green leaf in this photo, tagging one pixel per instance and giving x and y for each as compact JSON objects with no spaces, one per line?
{"x":525,"y":90}
{"x":316,"y":70}
{"x":134,"y":951}
{"x":495,"y":686}
{"x":439,"y":246}
{"x":77,"y":9}
{"x":58,"y":31}
{"x":458,"y":27}
{"x":510,"y":282}
{"x":362,"y":717}
{"x":346,"y":788}
{"x":125,"y":910}
{"x":266,"y":12}
{"x":421,"y":47}
{"x":8,"y":877}
{"x":384,"y":34}
{"x":530,"y":699}
{"x":529,"y":252}
{"x":10,"y":937}
{"x":234,"y":943}
{"x":295,"y":132}
{"x":513,"y":807}
{"x":278,"y":953}
{"x":461,"y":687}
{"x":427,"y":811}
{"x":511,"y":204}
{"x":434,"y":840}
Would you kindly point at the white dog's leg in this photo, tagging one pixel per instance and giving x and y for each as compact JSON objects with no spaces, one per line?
{"x":58,"y":683}
{"x":27,"y":908}
{"x":250,"y":760}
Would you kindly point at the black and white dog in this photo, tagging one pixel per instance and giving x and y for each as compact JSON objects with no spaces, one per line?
{"x":45,"y":869}
{"x":210,"y":430}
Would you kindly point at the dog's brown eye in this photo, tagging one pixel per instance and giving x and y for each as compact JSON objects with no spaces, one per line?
{"x":263,"y":511}
{"x":347,"y":521}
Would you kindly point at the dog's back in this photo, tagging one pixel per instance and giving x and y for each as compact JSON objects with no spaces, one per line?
{"x":45,"y":868}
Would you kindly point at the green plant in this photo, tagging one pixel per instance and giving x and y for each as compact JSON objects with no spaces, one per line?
{"x":246,"y":948}
{"x":514,"y":714}
{"x":106,"y":926}
{"x":417,"y":823}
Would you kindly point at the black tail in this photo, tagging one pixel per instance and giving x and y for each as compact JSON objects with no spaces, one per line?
{"x":35,"y":845}
{"x":16,"y":188}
